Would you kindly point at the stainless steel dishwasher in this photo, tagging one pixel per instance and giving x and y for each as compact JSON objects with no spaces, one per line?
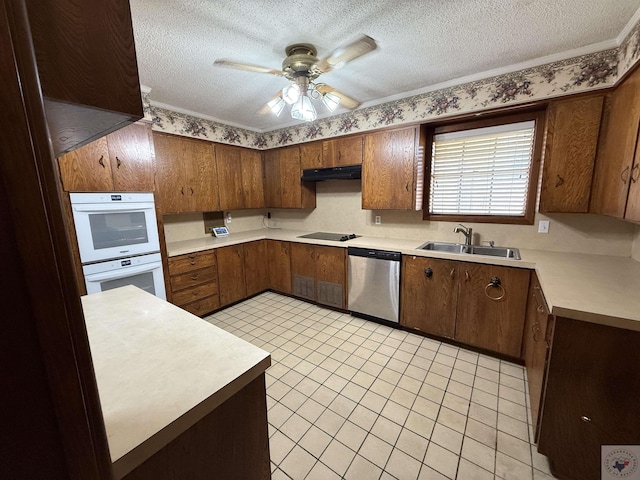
{"x":374,"y":283}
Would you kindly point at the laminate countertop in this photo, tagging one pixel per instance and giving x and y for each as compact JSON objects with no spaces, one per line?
{"x":159,"y":370}
{"x":600,"y":289}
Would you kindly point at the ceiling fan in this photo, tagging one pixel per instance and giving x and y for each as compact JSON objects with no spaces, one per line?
{"x":301,"y":67}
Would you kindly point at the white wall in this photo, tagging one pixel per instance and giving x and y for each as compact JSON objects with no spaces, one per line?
{"x":339,"y":210}
{"x":636,"y":245}
{"x":186,"y":226}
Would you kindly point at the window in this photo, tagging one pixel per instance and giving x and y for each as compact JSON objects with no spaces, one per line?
{"x":485,"y":171}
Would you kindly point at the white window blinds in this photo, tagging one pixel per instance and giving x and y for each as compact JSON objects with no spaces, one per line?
{"x":484,"y":171}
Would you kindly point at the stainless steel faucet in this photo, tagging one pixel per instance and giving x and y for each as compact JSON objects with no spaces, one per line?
{"x":466,"y":231}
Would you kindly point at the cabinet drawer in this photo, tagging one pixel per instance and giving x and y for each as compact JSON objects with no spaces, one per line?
{"x":195,"y":277}
{"x":192,"y":261}
{"x":203,"y":306}
{"x":197,"y":292}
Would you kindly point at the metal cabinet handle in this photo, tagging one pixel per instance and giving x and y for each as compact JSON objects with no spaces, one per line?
{"x":118,"y":162}
{"x":406,"y":187}
{"x":191,"y":188}
{"x":559,"y":180}
{"x":452,"y":274}
{"x":466,"y":275}
{"x":585,"y":419}
{"x":495,"y":282}
{"x":182,"y":191}
{"x":195,"y":277}
{"x":428,"y":272}
{"x":535,"y":328}
{"x":539,"y":306}
{"x":101,"y":161}
{"x":624,"y":176}
{"x":635,"y":173}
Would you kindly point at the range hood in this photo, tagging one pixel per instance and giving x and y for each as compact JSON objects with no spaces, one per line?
{"x":348,"y":172}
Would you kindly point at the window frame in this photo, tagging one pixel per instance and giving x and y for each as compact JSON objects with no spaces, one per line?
{"x":534,"y":177}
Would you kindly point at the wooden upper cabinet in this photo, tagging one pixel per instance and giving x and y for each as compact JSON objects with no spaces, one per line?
{"x":389,"y":170}
{"x":615,"y":168}
{"x":429,"y":295}
{"x":240,"y":177}
{"x":633,"y":200}
{"x":121,"y":161}
{"x":342,"y":151}
{"x":252,"y":178}
{"x":311,"y":155}
{"x":87,"y":68}
{"x":87,"y":169}
{"x":570,"y":151}
{"x":283,"y":188}
{"x":187,"y":174}
{"x":229,"y":176}
{"x":492,"y":317}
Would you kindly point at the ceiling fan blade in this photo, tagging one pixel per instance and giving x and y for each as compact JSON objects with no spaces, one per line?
{"x":342,"y":55}
{"x":267,"y":107}
{"x":345,"y":100}
{"x":248,"y":67}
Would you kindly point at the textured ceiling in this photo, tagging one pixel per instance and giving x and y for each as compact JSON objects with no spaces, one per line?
{"x":421,"y":44}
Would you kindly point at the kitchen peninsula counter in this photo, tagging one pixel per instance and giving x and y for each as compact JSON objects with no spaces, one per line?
{"x":601,"y":289}
{"x":161,"y":371}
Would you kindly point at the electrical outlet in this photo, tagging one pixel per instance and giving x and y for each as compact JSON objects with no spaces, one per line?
{"x":378,"y":220}
{"x":543,"y":226}
{"x":228,"y":219}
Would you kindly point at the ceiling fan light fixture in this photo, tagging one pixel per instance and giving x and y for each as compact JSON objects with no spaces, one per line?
{"x":277,"y":105}
{"x":331,"y":101}
{"x":291,"y":93}
{"x":303,"y":109}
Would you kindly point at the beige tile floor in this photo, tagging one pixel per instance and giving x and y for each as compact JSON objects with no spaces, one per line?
{"x":349,"y":398}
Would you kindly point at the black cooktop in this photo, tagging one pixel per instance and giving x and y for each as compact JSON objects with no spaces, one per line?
{"x":335,"y":237}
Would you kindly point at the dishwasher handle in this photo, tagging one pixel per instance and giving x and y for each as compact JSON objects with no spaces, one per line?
{"x":377,"y":254}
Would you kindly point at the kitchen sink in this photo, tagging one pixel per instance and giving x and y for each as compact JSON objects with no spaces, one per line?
{"x":503,"y":252}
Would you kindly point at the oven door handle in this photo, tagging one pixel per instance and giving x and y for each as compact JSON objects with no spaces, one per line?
{"x":122,"y":273}
{"x":112,"y":207}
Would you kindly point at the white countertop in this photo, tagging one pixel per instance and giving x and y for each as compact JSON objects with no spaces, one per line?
{"x":595,"y":288}
{"x":159,"y":370}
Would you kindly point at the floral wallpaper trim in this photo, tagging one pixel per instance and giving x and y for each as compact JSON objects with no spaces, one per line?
{"x":575,"y":75}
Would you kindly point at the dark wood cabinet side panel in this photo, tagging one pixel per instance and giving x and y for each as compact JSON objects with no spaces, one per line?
{"x":592,"y":373}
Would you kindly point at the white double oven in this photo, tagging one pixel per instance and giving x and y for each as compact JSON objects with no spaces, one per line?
{"x":118,"y":241}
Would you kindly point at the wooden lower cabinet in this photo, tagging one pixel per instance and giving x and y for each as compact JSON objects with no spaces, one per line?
{"x":538,"y":331}
{"x":590,"y":398}
{"x":429,"y":295}
{"x":492,"y":317}
{"x":256,"y":267}
{"x":232,"y":441}
{"x":194,"y":282}
{"x":231,"y":274}
{"x":318,"y":273}
{"x":457,"y":300}
{"x":279,"y":265}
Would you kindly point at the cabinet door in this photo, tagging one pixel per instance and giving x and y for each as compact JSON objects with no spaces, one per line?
{"x":342,"y":151}
{"x":429,"y":295}
{"x":331,"y":273}
{"x":303,"y":270}
{"x":229,"y":176}
{"x":492,"y":317}
{"x":255,"y":267}
{"x":272,"y":186}
{"x":572,"y":137}
{"x":252,"y":179}
{"x":279,"y":256}
{"x":591,"y":396}
{"x":201,"y":185}
{"x":311,"y":155}
{"x":132,"y":158}
{"x":231,"y":274}
{"x":87,"y":169}
{"x":170,"y":181}
{"x":388,"y":170}
{"x":616,"y":149}
{"x":290,"y":173}
{"x":535,"y":345}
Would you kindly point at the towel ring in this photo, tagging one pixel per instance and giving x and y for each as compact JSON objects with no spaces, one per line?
{"x":497,"y":283}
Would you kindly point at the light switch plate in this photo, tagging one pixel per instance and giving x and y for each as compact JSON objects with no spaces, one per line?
{"x":543,"y":226}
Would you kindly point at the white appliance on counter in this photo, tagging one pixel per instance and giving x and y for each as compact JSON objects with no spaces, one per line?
{"x":118,"y":241}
